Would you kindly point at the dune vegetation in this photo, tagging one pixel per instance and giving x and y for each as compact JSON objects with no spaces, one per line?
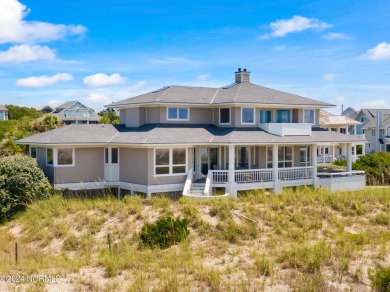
{"x":303,"y":240}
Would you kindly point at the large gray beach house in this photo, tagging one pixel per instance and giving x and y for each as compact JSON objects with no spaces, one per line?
{"x":193,"y":139}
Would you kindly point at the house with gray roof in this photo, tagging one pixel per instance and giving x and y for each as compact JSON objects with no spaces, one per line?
{"x":341,"y":124}
{"x":3,"y":113}
{"x":74,"y":112}
{"x":194,"y":139}
{"x":375,"y":125}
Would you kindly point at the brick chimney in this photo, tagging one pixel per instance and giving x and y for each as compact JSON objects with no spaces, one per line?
{"x":242,"y":76}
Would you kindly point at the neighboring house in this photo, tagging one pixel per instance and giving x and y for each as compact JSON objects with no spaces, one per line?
{"x":46,"y":110}
{"x":376,"y":127}
{"x":74,"y":112}
{"x":350,"y":112}
{"x":3,"y":113}
{"x":341,"y":124}
{"x":192,"y":139}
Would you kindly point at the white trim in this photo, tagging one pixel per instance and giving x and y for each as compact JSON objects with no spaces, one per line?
{"x":230,"y":116}
{"x":64,"y":165}
{"x":170,"y":162}
{"x":177,"y":112}
{"x":254,"y":116}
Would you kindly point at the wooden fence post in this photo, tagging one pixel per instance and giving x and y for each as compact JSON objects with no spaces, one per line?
{"x":16,"y":253}
{"x":109,"y":241}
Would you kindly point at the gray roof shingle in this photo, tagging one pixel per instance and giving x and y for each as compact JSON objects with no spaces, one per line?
{"x":3,"y":108}
{"x":235,"y":93}
{"x":176,"y":134}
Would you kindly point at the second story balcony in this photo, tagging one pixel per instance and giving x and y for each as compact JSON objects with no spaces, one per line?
{"x":287,"y":129}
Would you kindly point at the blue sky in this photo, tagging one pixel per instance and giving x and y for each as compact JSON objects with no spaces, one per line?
{"x":102,"y":51}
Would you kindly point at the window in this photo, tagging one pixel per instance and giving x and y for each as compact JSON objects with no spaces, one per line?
{"x":224,"y":116}
{"x":285,"y":156}
{"x":269,"y":157}
{"x":304,"y":156}
{"x":178,"y":113}
{"x":170,"y":161}
{"x":65,"y":156}
{"x":265,"y":116}
{"x":114,"y":155}
{"x":33,"y":152}
{"x":308,"y":116}
{"x":49,"y":156}
{"x":364,"y":131}
{"x":283,"y":116}
{"x":247,"y":115}
{"x":373,"y":132}
{"x":363,"y":119}
{"x":343,"y":131}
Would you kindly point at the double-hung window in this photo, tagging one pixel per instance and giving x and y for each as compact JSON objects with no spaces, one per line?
{"x":170,"y":161}
{"x":49,"y":156}
{"x":33,"y":152}
{"x":178,"y":113}
{"x":308,"y":116}
{"x":265,"y":116}
{"x":65,"y":156}
{"x":247,"y":115}
{"x":283,"y":116}
{"x":224,"y":116}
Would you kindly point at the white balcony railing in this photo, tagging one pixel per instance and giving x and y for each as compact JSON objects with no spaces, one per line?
{"x":292,"y":173}
{"x":253,"y":175}
{"x":327,"y":158}
{"x":287,"y":129}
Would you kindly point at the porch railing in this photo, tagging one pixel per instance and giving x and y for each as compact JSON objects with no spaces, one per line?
{"x":253,"y":175}
{"x":187,"y":185}
{"x":292,"y":173}
{"x":327,"y":158}
{"x":220,"y":176}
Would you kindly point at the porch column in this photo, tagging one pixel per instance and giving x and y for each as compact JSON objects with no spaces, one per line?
{"x":323,"y":154}
{"x":231,"y":185}
{"x":314,"y":164}
{"x":364,"y":149}
{"x":277,"y":185}
{"x":349,"y":157}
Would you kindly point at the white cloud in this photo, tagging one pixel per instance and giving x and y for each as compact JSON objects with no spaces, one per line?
{"x":329,"y":77}
{"x":282,"y":27}
{"x":336,"y":36}
{"x":378,"y":103}
{"x":380,"y":52}
{"x":101,"y":79}
{"x":27,"y":53}
{"x":13,"y":29}
{"x":97,"y":97}
{"x":138,"y":85}
{"x":203,"y":77}
{"x":42,"y":81}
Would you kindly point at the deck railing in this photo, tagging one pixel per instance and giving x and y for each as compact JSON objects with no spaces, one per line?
{"x":292,"y":173}
{"x":253,"y":175}
{"x":187,"y":185}
{"x":220,"y":176}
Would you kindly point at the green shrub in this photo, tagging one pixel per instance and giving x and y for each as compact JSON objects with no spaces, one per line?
{"x":21,"y":183}
{"x":340,"y":162}
{"x":380,"y":279}
{"x":376,"y":166}
{"x":164,"y":233}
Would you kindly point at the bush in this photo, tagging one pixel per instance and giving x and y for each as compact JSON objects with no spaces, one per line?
{"x":164,"y":233}
{"x":21,"y":182}
{"x":380,"y":279}
{"x":376,"y":166}
{"x":340,"y":162}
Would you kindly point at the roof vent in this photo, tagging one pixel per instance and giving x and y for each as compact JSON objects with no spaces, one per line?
{"x":242,"y":76}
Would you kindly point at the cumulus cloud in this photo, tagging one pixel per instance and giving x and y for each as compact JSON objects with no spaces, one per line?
{"x":336,"y":36}
{"x":97,"y":97}
{"x":380,"y":52}
{"x":282,"y":27}
{"x":329,"y":77}
{"x":101,"y":79}
{"x":14,"y":29}
{"x":203,"y":77}
{"x":42,"y":81}
{"x":27,"y":53}
{"x":378,"y":103}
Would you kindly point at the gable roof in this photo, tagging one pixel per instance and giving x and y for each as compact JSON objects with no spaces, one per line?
{"x":371,"y":115}
{"x":68,"y":104}
{"x":350,"y":112}
{"x":329,"y":119}
{"x":164,"y":134}
{"x":236,"y":93}
{"x":3,"y":108}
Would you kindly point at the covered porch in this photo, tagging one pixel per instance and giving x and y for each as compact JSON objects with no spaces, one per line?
{"x":250,"y":167}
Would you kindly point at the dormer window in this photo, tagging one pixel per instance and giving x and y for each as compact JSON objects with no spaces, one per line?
{"x":308,"y":116}
{"x":247,"y":115}
{"x":224,"y":116}
{"x":177,"y":113}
